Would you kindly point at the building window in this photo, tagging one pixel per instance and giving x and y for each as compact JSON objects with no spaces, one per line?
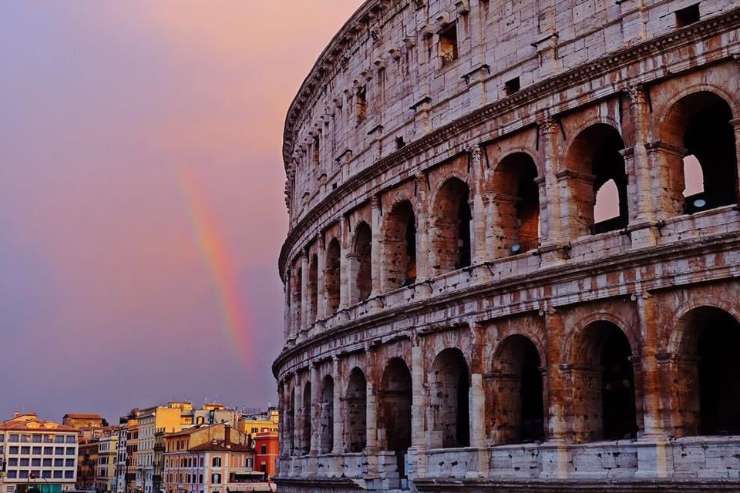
{"x":687,"y":15}
{"x":13,"y":450}
{"x":36,"y":438}
{"x":216,"y":478}
{"x":25,"y":450}
{"x":13,"y":462}
{"x":36,"y":462}
{"x":47,"y":462}
{"x":448,"y":44}
{"x":59,"y":451}
{"x":24,"y":462}
{"x":68,"y":474}
{"x":12,"y":474}
{"x":263,"y":449}
{"x":48,"y":450}
{"x":58,"y":462}
{"x":36,"y":450}
{"x":14,"y":438}
{"x":70,"y":451}
{"x":59,"y":439}
{"x":512,"y":86}
{"x":69,"y":462}
{"x":248,"y":463}
{"x":23,"y":474}
{"x":216,"y":462}
{"x":46,"y":474}
{"x":361,"y":104}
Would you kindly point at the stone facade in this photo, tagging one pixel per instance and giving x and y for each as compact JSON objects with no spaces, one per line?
{"x":461,"y":313}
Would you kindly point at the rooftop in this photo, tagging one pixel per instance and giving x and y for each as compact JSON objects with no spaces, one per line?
{"x":31,"y":422}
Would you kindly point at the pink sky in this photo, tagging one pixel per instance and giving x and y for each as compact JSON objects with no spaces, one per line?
{"x":109,"y":302}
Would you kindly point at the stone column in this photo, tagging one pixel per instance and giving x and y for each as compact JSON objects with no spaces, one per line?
{"x":376,"y":253}
{"x":298,"y":445}
{"x":478,"y":402}
{"x":338,"y":411}
{"x":320,"y":286}
{"x":666,"y":166}
{"x":305,"y":302}
{"x":736,"y":126}
{"x":345,"y":264}
{"x":556,"y":465}
{"x":637,"y":164}
{"x":654,"y":458}
{"x":423,"y":249}
{"x":550,"y":200}
{"x":315,"y":410}
{"x":371,"y":416}
{"x":417,"y":453}
{"x":477,"y":208}
{"x":287,"y":306}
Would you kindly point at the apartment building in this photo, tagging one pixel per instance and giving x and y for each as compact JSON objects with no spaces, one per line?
{"x":37,"y":453}
{"x":169,"y":418}
{"x":105,"y":475}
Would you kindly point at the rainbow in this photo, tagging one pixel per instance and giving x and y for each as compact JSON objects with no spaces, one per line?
{"x":220,"y":262}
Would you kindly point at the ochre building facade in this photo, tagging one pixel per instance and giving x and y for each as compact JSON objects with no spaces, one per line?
{"x":514,"y":250}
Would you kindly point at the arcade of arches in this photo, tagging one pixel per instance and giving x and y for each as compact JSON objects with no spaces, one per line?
{"x":453,"y":222}
{"x":607,"y":396}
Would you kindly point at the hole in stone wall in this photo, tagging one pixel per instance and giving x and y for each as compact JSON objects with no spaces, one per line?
{"x":451,"y":245}
{"x":519,"y":392}
{"x":448,"y":44}
{"x":709,"y":373}
{"x":512,"y":86}
{"x":687,"y":15}
{"x":449,"y":389}
{"x":361,"y":104}
{"x":517,"y":204}
{"x":290,"y":423}
{"x":395,"y":410}
{"x":326,"y":415}
{"x":306,"y":420}
{"x":356,"y":420}
{"x":313,"y":288}
{"x":594,"y":159}
{"x":400,"y":247}
{"x":297,"y":291}
{"x":332,"y":276}
{"x":363,"y":257}
{"x":604,"y":380}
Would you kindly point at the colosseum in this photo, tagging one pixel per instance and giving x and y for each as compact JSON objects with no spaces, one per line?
{"x":514,"y":250}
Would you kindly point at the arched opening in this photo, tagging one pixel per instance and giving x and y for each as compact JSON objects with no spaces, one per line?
{"x":400,"y":247}
{"x":297,"y":298}
{"x":451,"y":227}
{"x":326,"y":415}
{"x":709,"y":373}
{"x":332,"y":276}
{"x":594,"y":158}
{"x":517,"y":204}
{"x":449,"y":389}
{"x":306,"y":420}
{"x":607,"y":202}
{"x":313,"y":288}
{"x":699,"y":125}
{"x":356,"y":421}
{"x":518,"y":403}
{"x":394,"y":411}
{"x":363,"y":262}
{"x":603,"y":384}
{"x":290,"y":423}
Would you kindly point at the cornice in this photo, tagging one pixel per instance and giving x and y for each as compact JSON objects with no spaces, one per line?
{"x":540,"y":90}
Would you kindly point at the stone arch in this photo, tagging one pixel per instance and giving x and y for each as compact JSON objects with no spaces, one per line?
{"x":696,"y":125}
{"x":332,"y":276}
{"x":519,"y":403}
{"x":356,"y":412}
{"x":602,"y":378}
{"x":449,"y":389}
{"x":361,"y":262}
{"x":305,"y":441}
{"x":592,"y":159}
{"x":706,"y":372}
{"x":326,"y":415}
{"x":394,"y":410}
{"x":399,"y":246}
{"x":516,"y":194}
{"x":451,"y":227}
{"x":313,"y":288}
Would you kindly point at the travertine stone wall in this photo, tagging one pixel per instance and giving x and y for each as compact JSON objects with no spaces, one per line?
{"x":461,"y":313}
